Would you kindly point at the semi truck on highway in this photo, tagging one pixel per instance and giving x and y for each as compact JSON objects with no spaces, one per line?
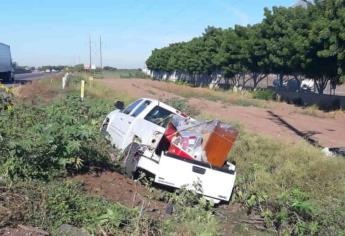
{"x":6,"y":68}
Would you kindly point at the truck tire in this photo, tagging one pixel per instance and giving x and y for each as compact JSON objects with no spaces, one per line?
{"x":12,"y":78}
{"x":8,"y":77}
{"x":131,"y":158}
{"x":105,"y":126}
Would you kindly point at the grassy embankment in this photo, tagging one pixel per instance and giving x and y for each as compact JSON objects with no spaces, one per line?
{"x":44,"y":139}
{"x":295,"y":189}
{"x":122,"y":73}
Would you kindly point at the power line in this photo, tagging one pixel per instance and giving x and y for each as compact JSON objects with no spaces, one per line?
{"x":100,"y":52}
{"x":90,"y":51}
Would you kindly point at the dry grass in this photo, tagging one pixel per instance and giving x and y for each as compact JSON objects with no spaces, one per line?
{"x":43,"y":90}
{"x":270,"y":169}
{"x":228,"y":97}
{"x":316,"y":112}
{"x":47,"y":89}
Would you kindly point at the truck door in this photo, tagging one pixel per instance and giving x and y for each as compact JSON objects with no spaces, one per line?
{"x":155,"y":121}
{"x":130,"y":125}
{"x":119,"y":125}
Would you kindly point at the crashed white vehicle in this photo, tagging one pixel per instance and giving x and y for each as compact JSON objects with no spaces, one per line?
{"x":138,"y":131}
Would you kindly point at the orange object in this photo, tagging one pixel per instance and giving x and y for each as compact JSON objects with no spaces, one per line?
{"x":218,"y":144}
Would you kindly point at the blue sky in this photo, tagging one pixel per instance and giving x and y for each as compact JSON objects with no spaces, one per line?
{"x":43,"y":32}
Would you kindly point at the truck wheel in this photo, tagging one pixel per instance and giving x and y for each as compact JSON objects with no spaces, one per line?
{"x":131,"y":158}
{"x":8,"y":77}
{"x":105,"y":126}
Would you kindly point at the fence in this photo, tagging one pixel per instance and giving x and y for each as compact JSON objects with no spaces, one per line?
{"x":324,"y":102}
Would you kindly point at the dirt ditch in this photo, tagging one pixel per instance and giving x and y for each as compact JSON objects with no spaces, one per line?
{"x":115,"y":187}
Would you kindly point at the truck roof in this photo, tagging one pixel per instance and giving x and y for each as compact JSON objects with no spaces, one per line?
{"x":4,"y":44}
{"x":158,"y":101}
{"x":173,"y":109}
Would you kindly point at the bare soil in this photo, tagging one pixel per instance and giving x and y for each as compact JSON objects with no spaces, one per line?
{"x":280,"y":120}
{"x":28,"y":231}
{"x":115,"y":187}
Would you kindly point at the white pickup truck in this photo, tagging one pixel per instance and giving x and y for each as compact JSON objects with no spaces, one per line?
{"x":138,"y":132}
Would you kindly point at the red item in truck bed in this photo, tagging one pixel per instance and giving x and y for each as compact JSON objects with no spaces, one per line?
{"x":179,"y":152}
{"x":170,"y":132}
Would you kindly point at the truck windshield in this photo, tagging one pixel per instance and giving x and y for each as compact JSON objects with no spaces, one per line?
{"x":158,"y":116}
{"x":141,"y":107}
{"x":131,"y":107}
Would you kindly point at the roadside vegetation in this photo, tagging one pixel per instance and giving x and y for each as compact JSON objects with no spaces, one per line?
{"x":296,"y":189}
{"x":289,"y":41}
{"x":291,"y":189}
{"x":243,"y":98}
{"x":43,"y":143}
{"x":262,"y":98}
{"x":124,"y":73}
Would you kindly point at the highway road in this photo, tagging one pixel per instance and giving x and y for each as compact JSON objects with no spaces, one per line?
{"x":26,"y":78}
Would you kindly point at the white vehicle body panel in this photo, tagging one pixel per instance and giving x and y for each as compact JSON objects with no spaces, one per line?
{"x":116,"y":136}
{"x":123,"y":128}
{"x":5,"y":58}
{"x":215,"y":184}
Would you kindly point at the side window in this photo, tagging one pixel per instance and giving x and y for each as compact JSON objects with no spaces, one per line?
{"x":141,"y":108}
{"x":131,"y":107}
{"x":158,"y":116}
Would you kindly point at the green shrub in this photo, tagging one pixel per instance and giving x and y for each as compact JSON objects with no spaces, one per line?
{"x":6,"y":98}
{"x":294,"y":187}
{"x":192,"y":215}
{"x":264,"y":94}
{"x":68,"y":204}
{"x":182,"y":105}
{"x":49,"y":205}
{"x":46,"y":141}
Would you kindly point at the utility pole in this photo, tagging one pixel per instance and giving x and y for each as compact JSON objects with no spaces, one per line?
{"x":90,"y":52}
{"x":100,"y":52}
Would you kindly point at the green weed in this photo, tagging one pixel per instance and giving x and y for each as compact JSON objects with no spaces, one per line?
{"x":46,"y":141}
{"x":6,"y":98}
{"x":182,"y":105}
{"x":125,"y":73}
{"x":294,"y":187}
{"x":49,"y":205}
{"x":264,"y":94}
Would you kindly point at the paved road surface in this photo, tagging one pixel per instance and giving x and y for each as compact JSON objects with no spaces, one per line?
{"x":28,"y":76}
{"x":25,"y":78}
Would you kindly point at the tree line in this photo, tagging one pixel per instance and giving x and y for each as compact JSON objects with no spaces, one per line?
{"x":302,"y":41}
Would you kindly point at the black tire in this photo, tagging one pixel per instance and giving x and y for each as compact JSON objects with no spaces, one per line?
{"x":105,"y":126}
{"x":130,"y":159}
{"x":8,"y":78}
